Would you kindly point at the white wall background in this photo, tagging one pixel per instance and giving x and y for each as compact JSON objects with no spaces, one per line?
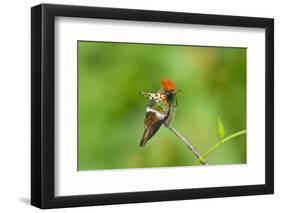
{"x":15,"y":105}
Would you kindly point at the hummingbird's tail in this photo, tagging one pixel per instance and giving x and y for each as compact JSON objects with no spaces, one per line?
{"x":149,"y":132}
{"x":144,"y":138}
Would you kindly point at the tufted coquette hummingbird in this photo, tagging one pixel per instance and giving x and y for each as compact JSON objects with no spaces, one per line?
{"x":160,"y":110}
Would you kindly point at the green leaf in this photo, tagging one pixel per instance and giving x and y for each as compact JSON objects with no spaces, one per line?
{"x":220,"y":129}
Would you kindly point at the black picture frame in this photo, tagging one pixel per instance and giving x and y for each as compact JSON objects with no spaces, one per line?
{"x":43,"y":100}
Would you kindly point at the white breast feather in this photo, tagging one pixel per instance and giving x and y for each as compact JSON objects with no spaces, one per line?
{"x":159,"y":115}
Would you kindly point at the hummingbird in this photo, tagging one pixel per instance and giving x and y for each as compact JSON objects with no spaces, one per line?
{"x":160,"y":110}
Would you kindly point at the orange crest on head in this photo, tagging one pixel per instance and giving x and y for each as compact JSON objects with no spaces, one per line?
{"x":168,"y":85}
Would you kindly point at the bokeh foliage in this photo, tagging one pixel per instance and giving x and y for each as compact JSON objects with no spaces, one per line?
{"x":111,"y":112}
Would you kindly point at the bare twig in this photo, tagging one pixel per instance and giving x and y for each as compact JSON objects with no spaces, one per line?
{"x":189,"y":145}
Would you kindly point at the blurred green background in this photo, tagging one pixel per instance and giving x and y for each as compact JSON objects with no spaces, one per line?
{"x":111,"y":113}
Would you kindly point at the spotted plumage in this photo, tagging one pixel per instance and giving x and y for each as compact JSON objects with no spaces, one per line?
{"x":160,"y":109}
{"x":157,"y":97}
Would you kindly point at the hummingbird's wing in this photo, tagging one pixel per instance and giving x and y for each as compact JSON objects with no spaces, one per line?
{"x":152,"y":123}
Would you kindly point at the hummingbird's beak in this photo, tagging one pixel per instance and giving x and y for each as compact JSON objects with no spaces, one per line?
{"x":177,"y":91}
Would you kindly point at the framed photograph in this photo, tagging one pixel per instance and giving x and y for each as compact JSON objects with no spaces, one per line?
{"x":139,"y":106}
